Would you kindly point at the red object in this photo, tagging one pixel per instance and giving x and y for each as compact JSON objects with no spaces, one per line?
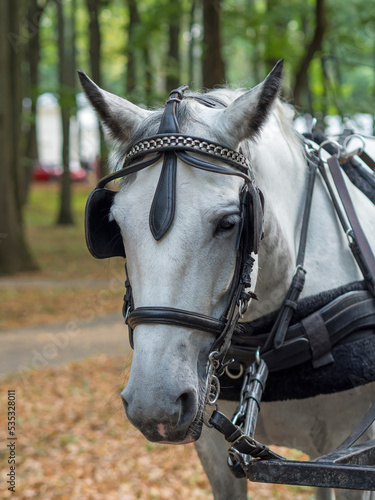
{"x":46,"y":173}
{"x":78,"y":175}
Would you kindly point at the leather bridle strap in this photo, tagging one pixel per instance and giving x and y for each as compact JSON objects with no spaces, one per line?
{"x":175,"y":317}
{"x":280,"y":327}
{"x":368,"y":160}
{"x":362,"y":250}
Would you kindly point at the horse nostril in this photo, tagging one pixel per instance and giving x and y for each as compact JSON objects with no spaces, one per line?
{"x":188,"y":402}
{"x":124,"y":397}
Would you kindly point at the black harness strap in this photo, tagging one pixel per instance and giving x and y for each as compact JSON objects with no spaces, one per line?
{"x":319,"y":339}
{"x":175,"y":317}
{"x":360,"y":247}
{"x":164,"y":202}
{"x":368,"y":160}
{"x":282,"y":322}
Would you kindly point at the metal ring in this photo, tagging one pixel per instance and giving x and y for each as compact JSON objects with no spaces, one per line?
{"x":257,"y":355}
{"x":358,"y":151}
{"x":299,"y":268}
{"x":234,"y":376}
{"x":334,"y":143}
{"x":212,"y":397}
{"x":350,"y":236}
{"x":127,"y":315}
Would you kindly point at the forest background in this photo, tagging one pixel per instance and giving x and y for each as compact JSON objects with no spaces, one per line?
{"x":141,"y":49}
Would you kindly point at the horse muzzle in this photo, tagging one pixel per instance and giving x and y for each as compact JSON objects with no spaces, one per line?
{"x":163,"y":418}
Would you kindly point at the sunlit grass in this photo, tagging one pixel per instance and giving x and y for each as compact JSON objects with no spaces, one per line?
{"x":69,"y":278}
{"x":60,"y":250}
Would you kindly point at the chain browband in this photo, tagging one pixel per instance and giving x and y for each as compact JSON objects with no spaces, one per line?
{"x":188,"y":143}
{"x":182,"y":145}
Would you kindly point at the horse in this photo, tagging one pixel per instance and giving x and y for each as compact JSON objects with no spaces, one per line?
{"x":181,"y":226}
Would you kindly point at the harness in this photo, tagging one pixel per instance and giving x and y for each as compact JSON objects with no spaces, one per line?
{"x":349,"y":466}
{"x":287,"y":343}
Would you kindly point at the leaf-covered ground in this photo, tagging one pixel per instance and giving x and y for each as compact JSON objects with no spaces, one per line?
{"x":73,"y":442}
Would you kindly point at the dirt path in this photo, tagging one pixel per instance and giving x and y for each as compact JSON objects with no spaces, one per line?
{"x":34,"y":347}
{"x":42,"y":282}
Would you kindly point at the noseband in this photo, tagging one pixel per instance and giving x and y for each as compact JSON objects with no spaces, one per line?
{"x":102,"y":235}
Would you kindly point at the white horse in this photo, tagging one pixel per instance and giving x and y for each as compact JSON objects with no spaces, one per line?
{"x":191,"y":268}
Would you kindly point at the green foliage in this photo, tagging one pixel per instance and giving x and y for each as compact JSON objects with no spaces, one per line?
{"x":255,"y":34}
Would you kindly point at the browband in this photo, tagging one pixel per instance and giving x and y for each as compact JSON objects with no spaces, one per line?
{"x":158,"y":144}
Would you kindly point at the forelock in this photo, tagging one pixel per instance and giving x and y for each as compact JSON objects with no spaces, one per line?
{"x":187,"y":114}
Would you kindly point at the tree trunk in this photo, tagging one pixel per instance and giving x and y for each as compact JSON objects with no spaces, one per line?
{"x":14,"y":253}
{"x":212,"y":63}
{"x":147,"y":75}
{"x":34,"y":14}
{"x":93,"y":7}
{"x":315,"y":45}
{"x":191,"y":45}
{"x":137,"y":51}
{"x":131,"y":78}
{"x":173,"y":79}
{"x":67,"y":96}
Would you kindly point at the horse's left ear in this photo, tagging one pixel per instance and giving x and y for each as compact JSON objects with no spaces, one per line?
{"x":119,"y":116}
{"x":244,"y":118}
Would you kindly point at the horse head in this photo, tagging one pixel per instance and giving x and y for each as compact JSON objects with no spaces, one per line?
{"x":182,"y":231}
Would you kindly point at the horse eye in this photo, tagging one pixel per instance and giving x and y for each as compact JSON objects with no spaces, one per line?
{"x":226,"y":224}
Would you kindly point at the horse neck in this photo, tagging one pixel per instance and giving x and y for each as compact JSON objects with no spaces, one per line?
{"x":281,"y":173}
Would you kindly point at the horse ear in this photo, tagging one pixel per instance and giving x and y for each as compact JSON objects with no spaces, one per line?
{"x":246,"y":115}
{"x":118,"y":115}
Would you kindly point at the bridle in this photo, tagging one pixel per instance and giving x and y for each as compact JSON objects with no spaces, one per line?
{"x":103,"y":238}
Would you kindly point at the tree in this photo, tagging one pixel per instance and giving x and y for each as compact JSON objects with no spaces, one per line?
{"x":95,"y":40}
{"x":34,"y":14}
{"x":137,"y":49}
{"x":213,"y":70}
{"x":14,"y":252}
{"x":173,"y":69}
{"x":67,"y":71}
{"x":301,"y":80}
{"x":131,"y":73}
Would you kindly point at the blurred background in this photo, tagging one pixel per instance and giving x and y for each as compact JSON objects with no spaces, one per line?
{"x":57,"y":303}
{"x":141,"y":49}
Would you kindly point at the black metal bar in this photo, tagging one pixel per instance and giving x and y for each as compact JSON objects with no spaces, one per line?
{"x":317,"y":474}
{"x":360,"y":454}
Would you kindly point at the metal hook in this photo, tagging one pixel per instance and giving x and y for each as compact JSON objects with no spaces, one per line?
{"x":257,"y":356}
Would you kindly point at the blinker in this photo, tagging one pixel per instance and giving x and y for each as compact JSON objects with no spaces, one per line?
{"x":103,"y":236}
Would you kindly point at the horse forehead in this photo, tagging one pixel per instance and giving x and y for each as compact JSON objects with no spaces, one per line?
{"x":205,"y":123}
{"x":197,"y":191}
